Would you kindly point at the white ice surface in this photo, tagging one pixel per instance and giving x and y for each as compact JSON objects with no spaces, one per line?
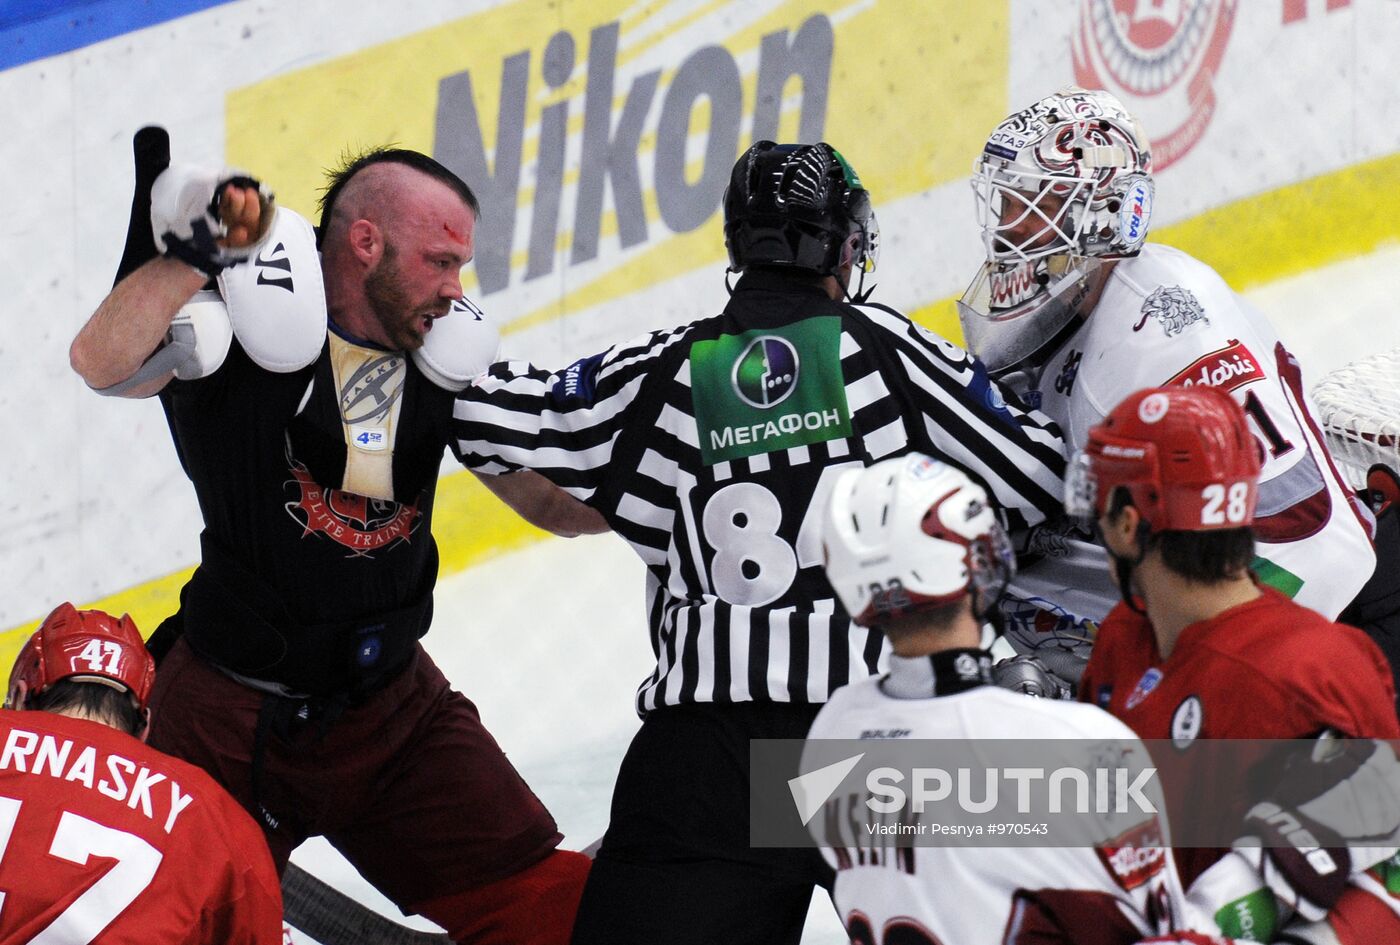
{"x":550,"y":642}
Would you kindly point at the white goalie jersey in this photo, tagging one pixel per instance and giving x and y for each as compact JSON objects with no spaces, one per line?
{"x":1111,"y":894}
{"x":1166,"y":318}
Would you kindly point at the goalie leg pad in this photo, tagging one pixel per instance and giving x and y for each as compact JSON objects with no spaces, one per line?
{"x":534,"y":907}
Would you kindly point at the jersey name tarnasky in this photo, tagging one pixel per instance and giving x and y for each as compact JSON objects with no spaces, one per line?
{"x":34,"y":754}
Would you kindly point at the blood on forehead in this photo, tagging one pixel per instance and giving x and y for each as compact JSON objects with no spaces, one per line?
{"x":459,"y":237}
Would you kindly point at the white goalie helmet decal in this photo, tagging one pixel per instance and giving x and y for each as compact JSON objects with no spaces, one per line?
{"x":912,"y":533}
{"x":1059,"y":185}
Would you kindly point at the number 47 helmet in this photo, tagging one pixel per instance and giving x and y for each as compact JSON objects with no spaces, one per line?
{"x":1184,"y":454}
{"x":912,"y":534}
{"x":86,"y":645}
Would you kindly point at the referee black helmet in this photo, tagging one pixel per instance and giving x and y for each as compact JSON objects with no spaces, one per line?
{"x":801,"y":206}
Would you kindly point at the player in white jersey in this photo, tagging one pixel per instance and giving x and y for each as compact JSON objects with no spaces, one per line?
{"x":1076,"y":311}
{"x":912,"y":546}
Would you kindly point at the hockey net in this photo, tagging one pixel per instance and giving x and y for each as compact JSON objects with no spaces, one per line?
{"x":1359,"y":406}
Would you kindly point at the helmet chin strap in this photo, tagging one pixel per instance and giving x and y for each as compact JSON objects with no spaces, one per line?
{"x":862,"y":294}
{"x":848,"y":257}
{"x":1123,"y":568}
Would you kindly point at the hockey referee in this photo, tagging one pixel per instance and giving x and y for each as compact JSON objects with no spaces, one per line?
{"x":711,"y":449}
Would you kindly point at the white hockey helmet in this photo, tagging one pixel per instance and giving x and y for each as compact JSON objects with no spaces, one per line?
{"x":1059,"y":186}
{"x":909,"y":534}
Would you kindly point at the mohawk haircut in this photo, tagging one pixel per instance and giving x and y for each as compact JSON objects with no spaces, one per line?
{"x":352,"y":163}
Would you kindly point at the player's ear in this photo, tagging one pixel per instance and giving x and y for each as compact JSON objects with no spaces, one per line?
{"x":1139,"y":532}
{"x":366,"y":241}
{"x":145,"y":732}
{"x":1120,"y":527}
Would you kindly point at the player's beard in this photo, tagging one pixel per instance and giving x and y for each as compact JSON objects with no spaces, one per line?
{"x":392,"y":304}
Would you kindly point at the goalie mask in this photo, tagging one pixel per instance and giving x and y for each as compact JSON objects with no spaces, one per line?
{"x":1060,"y":186}
{"x":912,"y":534}
{"x":85,"y":645}
{"x":800,"y":206}
{"x":1184,"y":454}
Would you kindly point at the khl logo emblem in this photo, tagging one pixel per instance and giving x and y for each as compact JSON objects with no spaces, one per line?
{"x":766,"y":373}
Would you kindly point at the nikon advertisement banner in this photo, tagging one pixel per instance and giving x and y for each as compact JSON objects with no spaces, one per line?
{"x":599,"y":136}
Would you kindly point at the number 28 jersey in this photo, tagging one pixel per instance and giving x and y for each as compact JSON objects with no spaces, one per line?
{"x":711,"y":448}
{"x":103,"y":839}
{"x":1168,"y":319}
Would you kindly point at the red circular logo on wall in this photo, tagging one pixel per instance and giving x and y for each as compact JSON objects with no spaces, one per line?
{"x":1160,"y":57}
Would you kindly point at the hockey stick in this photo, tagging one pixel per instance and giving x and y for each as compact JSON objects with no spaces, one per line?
{"x":333,"y":918}
{"x":151,"y":149}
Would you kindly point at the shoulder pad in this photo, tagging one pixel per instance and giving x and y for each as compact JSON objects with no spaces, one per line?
{"x":460,"y":346}
{"x":277,"y":300}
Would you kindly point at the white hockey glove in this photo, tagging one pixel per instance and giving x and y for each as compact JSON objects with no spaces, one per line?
{"x":1335,"y":815}
{"x":185,"y":219}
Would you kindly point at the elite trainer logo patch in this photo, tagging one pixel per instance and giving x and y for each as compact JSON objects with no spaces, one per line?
{"x":360,"y":524}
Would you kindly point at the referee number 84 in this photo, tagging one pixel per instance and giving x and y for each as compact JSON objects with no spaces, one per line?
{"x":753,"y":565}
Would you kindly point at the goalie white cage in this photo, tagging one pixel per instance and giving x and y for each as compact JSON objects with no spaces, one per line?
{"x":1359,"y":406}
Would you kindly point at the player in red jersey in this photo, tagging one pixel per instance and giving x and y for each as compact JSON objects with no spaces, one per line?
{"x":1198,"y":648}
{"x":102,"y":838}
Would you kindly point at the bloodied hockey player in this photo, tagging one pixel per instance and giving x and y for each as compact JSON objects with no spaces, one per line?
{"x":310,"y":398}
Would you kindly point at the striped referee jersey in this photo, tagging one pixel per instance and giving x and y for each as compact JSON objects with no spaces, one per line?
{"x":711,"y":449}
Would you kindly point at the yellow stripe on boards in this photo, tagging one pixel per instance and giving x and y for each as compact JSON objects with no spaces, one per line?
{"x":148,"y":604}
{"x":1307,"y":225}
{"x":1253,"y":241}
{"x":470,"y":524}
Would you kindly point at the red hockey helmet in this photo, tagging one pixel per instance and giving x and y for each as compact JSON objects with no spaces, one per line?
{"x":1185,"y":455}
{"x":86,"y":645}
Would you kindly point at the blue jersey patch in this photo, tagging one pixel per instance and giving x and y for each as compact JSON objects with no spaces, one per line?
{"x":1146,"y":684}
{"x":577,"y":383}
{"x":984,"y":389}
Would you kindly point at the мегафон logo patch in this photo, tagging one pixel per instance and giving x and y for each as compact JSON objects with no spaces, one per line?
{"x":774,"y":389}
{"x":766,"y":373}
